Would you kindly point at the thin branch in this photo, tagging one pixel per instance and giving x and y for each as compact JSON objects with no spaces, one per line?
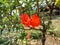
{"x":37,"y":7}
{"x":31,"y":29}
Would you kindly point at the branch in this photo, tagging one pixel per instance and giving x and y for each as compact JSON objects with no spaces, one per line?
{"x":51,"y":6}
{"x":37,"y":6}
{"x":31,"y":29}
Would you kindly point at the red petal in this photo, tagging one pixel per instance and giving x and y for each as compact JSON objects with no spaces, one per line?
{"x":25,"y":19}
{"x":35,"y":20}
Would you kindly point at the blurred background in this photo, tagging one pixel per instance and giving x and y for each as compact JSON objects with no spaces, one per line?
{"x":10,"y":23}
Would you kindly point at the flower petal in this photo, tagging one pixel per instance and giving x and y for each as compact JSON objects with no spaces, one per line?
{"x":35,"y":20}
{"x":25,"y":19}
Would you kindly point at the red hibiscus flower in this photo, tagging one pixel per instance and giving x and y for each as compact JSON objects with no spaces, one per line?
{"x":35,"y":20}
{"x":25,"y":19}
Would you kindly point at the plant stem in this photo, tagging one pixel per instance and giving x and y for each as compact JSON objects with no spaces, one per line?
{"x":43,"y":39}
{"x":43,"y":30}
{"x":22,"y":42}
{"x":37,"y":6}
{"x":26,"y":42}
